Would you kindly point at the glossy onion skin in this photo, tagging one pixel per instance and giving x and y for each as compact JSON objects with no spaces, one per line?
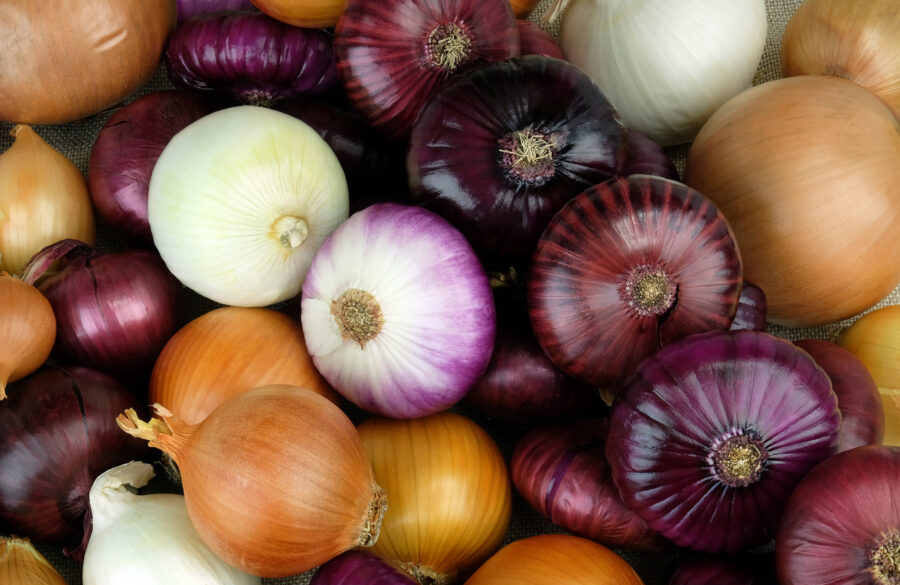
{"x":601,"y":236}
{"x":189,"y":8}
{"x":837,"y":515}
{"x":533,"y":40}
{"x":358,"y":567}
{"x":382,"y":58}
{"x":561,"y":471}
{"x":690,"y":396}
{"x":752,"y":309}
{"x":456,"y":166}
{"x":250,"y":56}
{"x":646,"y":157}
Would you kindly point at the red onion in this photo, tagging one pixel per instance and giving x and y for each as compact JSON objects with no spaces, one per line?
{"x":498,"y":155}
{"x":250,"y":56}
{"x":393,"y":55}
{"x":57,"y":434}
{"x":562,"y":472}
{"x":841,"y":526}
{"x":637,"y":262}
{"x":358,"y":567}
{"x":862,"y":410}
{"x":748,"y":569}
{"x":188,"y":8}
{"x":534,"y":40}
{"x":713,"y":432}
{"x":127,"y":148}
{"x":646,"y":157}
{"x":751,"y":310}
{"x":114,"y":310}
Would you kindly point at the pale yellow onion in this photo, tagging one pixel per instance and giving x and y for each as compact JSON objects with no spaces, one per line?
{"x":22,"y":564}
{"x":303,"y":13}
{"x":874,"y":339}
{"x":240,"y":201}
{"x":43,"y":199}
{"x":449,"y":493}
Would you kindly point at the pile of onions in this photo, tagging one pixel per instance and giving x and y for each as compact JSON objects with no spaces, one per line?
{"x":27,"y":330}
{"x":67,"y":60}
{"x":807,"y":171}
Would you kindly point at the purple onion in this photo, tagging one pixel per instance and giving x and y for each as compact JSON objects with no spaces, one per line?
{"x":498,"y":155}
{"x":358,"y":567}
{"x":114,"y":310}
{"x":251,"y":57}
{"x":188,"y":8}
{"x":646,"y":157}
{"x":752,"y":309}
{"x":562,"y":472}
{"x":536,"y":41}
{"x":127,"y":148}
{"x":748,"y":569}
{"x":713,"y":432}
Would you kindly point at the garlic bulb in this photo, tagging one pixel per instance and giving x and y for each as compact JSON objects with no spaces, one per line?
{"x":240,"y":200}
{"x":22,"y":564}
{"x":665,"y":65}
{"x":148,"y":539}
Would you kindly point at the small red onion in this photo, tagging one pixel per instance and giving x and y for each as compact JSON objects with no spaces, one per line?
{"x":188,"y":8}
{"x":752,"y":309}
{"x":536,"y":41}
{"x":748,"y":569}
{"x":646,"y":157}
{"x":114,"y":310}
{"x":126,"y":149}
{"x":250,"y":56}
{"x":562,"y":472}
{"x":357,"y":567}
{"x":862,"y":410}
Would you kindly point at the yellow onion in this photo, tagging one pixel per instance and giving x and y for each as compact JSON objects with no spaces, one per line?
{"x":43,"y":199}
{"x":22,"y":564}
{"x":874,"y":339}
{"x":551,"y":559}
{"x":303,"y":13}
{"x":449,"y":492}
{"x":27,"y":330}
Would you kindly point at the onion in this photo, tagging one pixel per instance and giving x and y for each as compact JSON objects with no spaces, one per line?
{"x":275,"y":480}
{"x":551,"y":559}
{"x":862,"y":414}
{"x":498,"y":155}
{"x":57,"y":434}
{"x":303,"y":13}
{"x":646,"y":157}
{"x":240,"y":201}
{"x":114,"y":310}
{"x":840,"y":524}
{"x":562,"y":472}
{"x":449,"y":493}
{"x":859,"y":41}
{"x":534,"y":40}
{"x":230,"y":350}
{"x":752,"y":309}
{"x":713,"y":432}
{"x":66,"y":60}
{"x":43,"y":199}
{"x":638,"y":262}
{"x":126,"y":150}
{"x":355,"y":567}
{"x":393,"y":55}
{"x":27,"y":330}
{"x":189,"y":8}
{"x":22,"y":564}
{"x":250,"y":56}
{"x":397,"y":311}
{"x":807,"y":171}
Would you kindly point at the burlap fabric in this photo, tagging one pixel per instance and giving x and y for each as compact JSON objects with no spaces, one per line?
{"x":75,"y":140}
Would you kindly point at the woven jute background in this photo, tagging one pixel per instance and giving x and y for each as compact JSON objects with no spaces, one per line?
{"x":75,"y":140}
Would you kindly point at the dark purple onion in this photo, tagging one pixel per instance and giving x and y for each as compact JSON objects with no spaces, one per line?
{"x":862,"y":409}
{"x":713,"y":432}
{"x":357,"y":567}
{"x":748,"y":569}
{"x":562,"y":472}
{"x":497,"y":154}
{"x":114,"y":310}
{"x":188,"y":8}
{"x":646,"y":157}
{"x":251,"y":57}
{"x":58,"y":432}
{"x":126,"y":150}
{"x":534,"y":40}
{"x":752,"y":309}
{"x":393,"y":55}
{"x":625,"y":268}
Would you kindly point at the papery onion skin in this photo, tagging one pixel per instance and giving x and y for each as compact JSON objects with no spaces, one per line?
{"x":22,"y":564}
{"x":667,"y":242}
{"x":561,"y":471}
{"x":805,"y":168}
{"x":276,"y":480}
{"x":64,"y":61}
{"x":533,"y":40}
{"x":356,"y":567}
{"x":189,"y":8}
{"x":127,"y":148}
{"x":646,"y":157}
{"x":842,"y":514}
{"x":27,"y":330}
{"x":386,"y":65}
{"x":428,"y":301}
{"x":449,"y":492}
{"x":862,"y":413}
{"x":226,"y":351}
{"x":752,"y":309}
{"x":749,"y":569}
{"x":713,"y":432}
{"x":498,"y":155}
{"x":550,"y":559}
{"x":250,"y":56}
{"x":303,"y":13}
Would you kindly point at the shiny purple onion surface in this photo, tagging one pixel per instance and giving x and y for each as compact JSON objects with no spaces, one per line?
{"x":534,"y":40}
{"x":712,"y":433}
{"x":189,"y":8}
{"x":647,"y":157}
{"x":752,"y":309}
{"x":358,"y":567}
{"x":626,"y":267}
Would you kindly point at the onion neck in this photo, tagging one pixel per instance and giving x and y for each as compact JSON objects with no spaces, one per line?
{"x":528,"y":156}
{"x":738,"y":459}
{"x":166,"y":433}
{"x":448,"y":47}
{"x":884,"y":560}
{"x":371,"y":527}
{"x":426,"y":575}
{"x":358,"y":316}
